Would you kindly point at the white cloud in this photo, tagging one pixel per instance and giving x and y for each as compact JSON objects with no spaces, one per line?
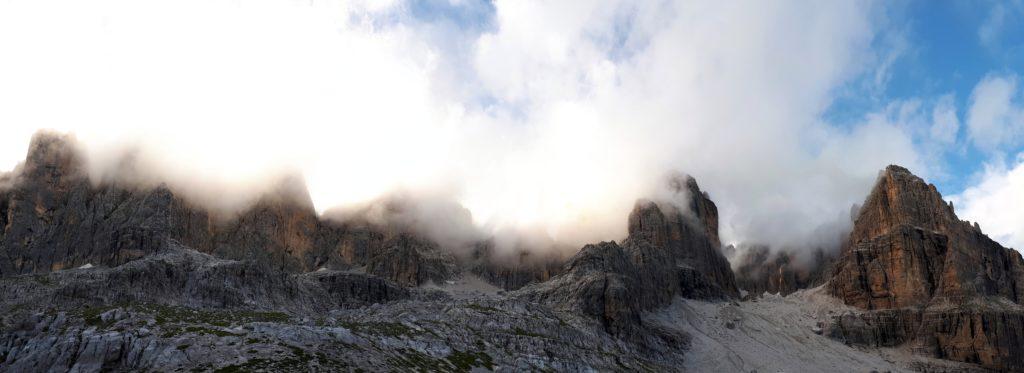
{"x":995,"y":202}
{"x":995,"y":118}
{"x":945,"y":123}
{"x":222,"y":92}
{"x":559,"y":116}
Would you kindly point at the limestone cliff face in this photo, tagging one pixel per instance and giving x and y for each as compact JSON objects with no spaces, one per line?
{"x":929,"y":278}
{"x":907,"y":247}
{"x":54,"y":218}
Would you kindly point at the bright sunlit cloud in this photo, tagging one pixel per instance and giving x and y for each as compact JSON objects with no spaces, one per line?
{"x":550,"y":116}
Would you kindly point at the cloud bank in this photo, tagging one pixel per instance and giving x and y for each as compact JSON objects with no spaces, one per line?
{"x":994,"y":203}
{"x":995,"y":119}
{"x":995,"y":123}
{"x":535,"y":116}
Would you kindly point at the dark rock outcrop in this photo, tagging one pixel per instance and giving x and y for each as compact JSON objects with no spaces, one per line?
{"x":411,"y":261}
{"x":667,"y":255}
{"x":688,"y":235}
{"x":882,"y":328}
{"x":178,"y":276}
{"x":54,"y":218}
{"x":600,"y":281}
{"x":927,"y":278}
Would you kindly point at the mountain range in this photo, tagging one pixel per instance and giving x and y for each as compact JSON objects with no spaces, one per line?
{"x":111,"y":275}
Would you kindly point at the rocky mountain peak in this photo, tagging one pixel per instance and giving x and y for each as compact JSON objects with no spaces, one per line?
{"x":647,"y":222}
{"x":688,"y":234}
{"x":669,"y":253}
{"x":901,"y":198}
{"x":923,"y":275}
{"x":52,"y":156}
{"x":665,"y":222}
{"x":289,"y":189}
{"x":948,"y":258}
{"x":687,"y":202}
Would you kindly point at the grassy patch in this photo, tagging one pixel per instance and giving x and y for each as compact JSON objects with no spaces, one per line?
{"x":187,"y":319}
{"x":195,"y":329}
{"x":466,"y":361}
{"x":482,"y":308}
{"x":524,"y":333}
{"x":93,"y":316}
{"x":457,"y":361}
{"x":44,"y":280}
{"x":298,"y":360}
{"x":169,"y":314}
{"x":389,"y":329}
{"x":412,"y":360}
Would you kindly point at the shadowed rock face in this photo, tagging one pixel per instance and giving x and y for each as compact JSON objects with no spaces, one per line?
{"x":512,"y":272}
{"x":54,"y":218}
{"x":600,"y":281}
{"x":689,"y":237}
{"x":411,"y":261}
{"x":667,"y":255}
{"x":929,"y":278}
{"x":183,"y":277}
{"x":760,"y":270}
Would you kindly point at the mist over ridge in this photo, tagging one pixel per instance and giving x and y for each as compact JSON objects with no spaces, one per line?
{"x":548,"y":119}
{"x":511,"y":186}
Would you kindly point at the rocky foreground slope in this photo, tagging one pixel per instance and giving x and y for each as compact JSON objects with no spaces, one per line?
{"x":111,"y":276}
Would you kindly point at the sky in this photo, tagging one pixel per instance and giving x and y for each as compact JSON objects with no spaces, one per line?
{"x":538,"y":116}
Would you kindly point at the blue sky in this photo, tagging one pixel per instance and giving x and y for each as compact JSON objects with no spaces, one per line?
{"x":945,"y":54}
{"x":925,"y":58}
